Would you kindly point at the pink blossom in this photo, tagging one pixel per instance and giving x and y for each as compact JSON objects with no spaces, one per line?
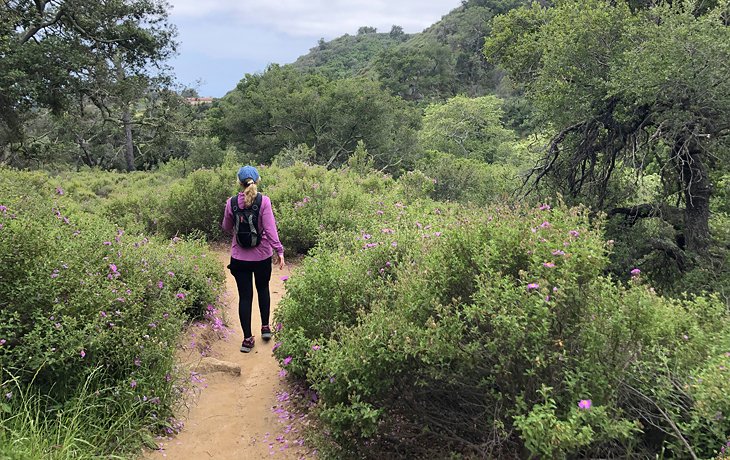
{"x":532,"y":286}
{"x":82,"y":354}
{"x":379,"y":212}
{"x":558,"y":252}
{"x":284,"y":278}
{"x":548,"y":265}
{"x":107,"y":243}
{"x":635,"y":272}
{"x":282,"y":373}
{"x":113,"y":268}
{"x":545,"y":207}
{"x":2,"y":342}
{"x":585,"y":404}
{"x":276,"y":345}
{"x":287,"y":360}
{"x":180,"y":295}
{"x":160,"y":284}
{"x":133,"y":384}
{"x":545,"y":224}
{"x":316,"y":347}
{"x":574,"y":233}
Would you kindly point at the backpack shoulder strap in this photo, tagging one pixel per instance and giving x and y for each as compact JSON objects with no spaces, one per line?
{"x":234,"y":204}
{"x":257,"y":202}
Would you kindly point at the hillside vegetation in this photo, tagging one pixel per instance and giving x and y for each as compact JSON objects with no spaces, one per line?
{"x":514,"y":229}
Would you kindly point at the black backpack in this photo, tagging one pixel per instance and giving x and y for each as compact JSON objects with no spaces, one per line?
{"x":246,"y":227}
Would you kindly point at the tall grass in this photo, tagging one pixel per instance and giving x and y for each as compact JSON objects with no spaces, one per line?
{"x":34,"y":426}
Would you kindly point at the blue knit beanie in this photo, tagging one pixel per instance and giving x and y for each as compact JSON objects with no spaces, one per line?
{"x":248,"y":172}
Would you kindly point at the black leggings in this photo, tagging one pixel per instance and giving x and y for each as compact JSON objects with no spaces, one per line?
{"x":242,"y":271}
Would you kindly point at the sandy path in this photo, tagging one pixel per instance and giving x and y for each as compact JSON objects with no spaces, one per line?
{"x":233,"y":417}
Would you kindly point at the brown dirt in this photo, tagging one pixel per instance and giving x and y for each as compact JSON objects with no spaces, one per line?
{"x":233,"y":416}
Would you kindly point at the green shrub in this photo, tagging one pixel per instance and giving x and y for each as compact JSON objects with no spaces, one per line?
{"x":468,"y":180}
{"x":195,"y":205}
{"x":449,"y":341}
{"x":86,"y":303}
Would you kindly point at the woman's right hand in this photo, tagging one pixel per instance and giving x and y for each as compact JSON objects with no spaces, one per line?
{"x":282,"y":263}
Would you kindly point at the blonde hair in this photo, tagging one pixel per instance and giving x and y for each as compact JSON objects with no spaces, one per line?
{"x":250,"y":190}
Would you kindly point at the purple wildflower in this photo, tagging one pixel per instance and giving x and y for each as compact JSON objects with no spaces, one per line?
{"x":287,"y":360}
{"x":573,"y":233}
{"x":133,"y":384}
{"x":585,"y":404}
{"x":316,"y":347}
{"x":276,"y":345}
{"x":284,"y":278}
{"x":82,"y":354}
{"x":180,"y":295}
{"x":532,"y":286}
{"x":635,"y":272}
{"x":548,"y":265}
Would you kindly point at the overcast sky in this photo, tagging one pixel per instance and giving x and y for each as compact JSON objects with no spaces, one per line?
{"x":221,"y":40}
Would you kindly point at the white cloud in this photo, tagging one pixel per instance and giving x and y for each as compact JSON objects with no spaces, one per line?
{"x":318,"y":18}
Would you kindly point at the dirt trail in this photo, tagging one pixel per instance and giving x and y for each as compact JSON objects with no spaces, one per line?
{"x":233,"y":417}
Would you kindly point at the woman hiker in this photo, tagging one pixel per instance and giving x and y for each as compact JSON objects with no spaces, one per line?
{"x":251,"y":221}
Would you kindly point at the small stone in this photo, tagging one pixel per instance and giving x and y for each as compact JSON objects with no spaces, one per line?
{"x":209,"y":365}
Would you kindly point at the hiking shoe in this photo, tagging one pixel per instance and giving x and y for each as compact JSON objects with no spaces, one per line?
{"x":247,"y":345}
{"x":266,"y":333}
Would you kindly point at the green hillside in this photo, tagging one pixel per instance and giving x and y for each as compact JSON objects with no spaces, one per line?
{"x":442,"y":61}
{"x":349,"y":55}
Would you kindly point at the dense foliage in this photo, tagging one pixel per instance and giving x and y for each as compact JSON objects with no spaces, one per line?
{"x":284,"y":107}
{"x":645,"y":90}
{"x":442,"y":309}
{"x":89,"y":321}
{"x":435,"y":330}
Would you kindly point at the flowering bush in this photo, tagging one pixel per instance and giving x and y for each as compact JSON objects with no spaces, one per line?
{"x":476,"y":330}
{"x":83,"y":297}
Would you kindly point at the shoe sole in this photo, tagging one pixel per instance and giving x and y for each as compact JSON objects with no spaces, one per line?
{"x":246,"y":349}
{"x":266,"y":336}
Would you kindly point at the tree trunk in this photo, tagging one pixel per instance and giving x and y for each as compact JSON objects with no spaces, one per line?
{"x":697,"y":192}
{"x":126,"y":118}
{"x":128,"y":142}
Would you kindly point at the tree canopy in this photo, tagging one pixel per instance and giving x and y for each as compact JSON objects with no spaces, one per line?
{"x":284,"y":107}
{"x":638,"y":89}
{"x":60,"y":53}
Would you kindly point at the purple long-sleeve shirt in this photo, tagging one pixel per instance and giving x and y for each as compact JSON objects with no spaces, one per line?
{"x":267,"y":223}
